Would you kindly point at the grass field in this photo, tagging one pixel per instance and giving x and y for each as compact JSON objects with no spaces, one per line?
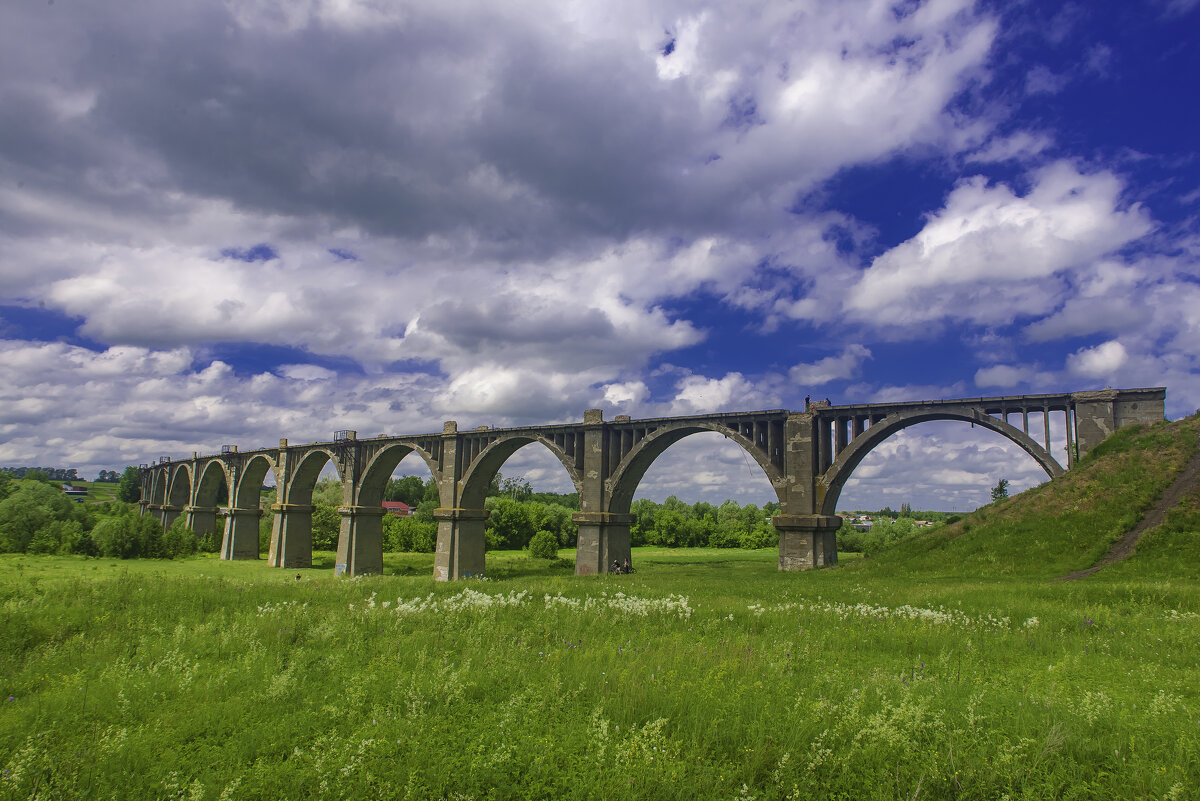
{"x":707,"y":674}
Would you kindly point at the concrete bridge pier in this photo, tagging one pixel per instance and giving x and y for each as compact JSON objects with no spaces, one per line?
{"x":291,"y":536}
{"x":460,"y":544}
{"x":807,"y":541}
{"x":167,"y":514}
{"x":201,"y":519}
{"x":603,"y":538}
{"x":241,"y":534}
{"x":360,"y":543}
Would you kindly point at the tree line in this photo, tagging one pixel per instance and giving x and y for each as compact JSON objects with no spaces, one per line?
{"x":35,"y":517}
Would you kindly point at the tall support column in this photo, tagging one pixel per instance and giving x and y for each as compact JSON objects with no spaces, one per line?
{"x":1070,"y":422}
{"x":807,"y":541}
{"x":603,"y":539}
{"x":291,"y":536}
{"x":825,"y":446}
{"x":201,"y":519}
{"x":360,"y":543}
{"x":241,"y":534}
{"x":460,"y":544}
{"x":1046,"y":422}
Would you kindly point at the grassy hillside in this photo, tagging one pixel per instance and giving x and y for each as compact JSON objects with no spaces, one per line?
{"x":1069,"y":523}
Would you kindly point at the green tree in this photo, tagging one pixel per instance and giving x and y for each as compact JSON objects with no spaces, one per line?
{"x":402,"y":534}
{"x":409,"y":490}
{"x":117,"y":537}
{"x":326,"y":526}
{"x":517,"y":489}
{"x":509,"y":525}
{"x":544,"y":545}
{"x":1000,"y":491}
{"x":644,"y":512}
{"x":129,"y":488}
{"x":178,"y":541}
{"x":328,"y":492}
{"x":554,"y":518}
{"x":30,"y":508}
{"x":424,"y":511}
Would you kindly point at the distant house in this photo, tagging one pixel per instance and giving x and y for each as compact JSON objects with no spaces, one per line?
{"x":78,"y":493}
{"x":397,"y":508}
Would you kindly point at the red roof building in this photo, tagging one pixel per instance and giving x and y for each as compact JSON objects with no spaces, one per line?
{"x":397,"y":508}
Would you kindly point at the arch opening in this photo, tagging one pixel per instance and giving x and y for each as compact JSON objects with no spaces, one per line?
{"x":158,"y":486}
{"x":736,"y":451}
{"x":479,"y":476}
{"x":695,"y":486}
{"x":400,"y":481}
{"x":943,"y":466}
{"x":181,"y":487}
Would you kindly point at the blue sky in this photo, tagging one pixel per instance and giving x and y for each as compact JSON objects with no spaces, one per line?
{"x":231,"y":223}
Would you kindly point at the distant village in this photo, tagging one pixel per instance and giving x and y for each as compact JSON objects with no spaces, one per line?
{"x":863,"y":522}
{"x":67,"y":475}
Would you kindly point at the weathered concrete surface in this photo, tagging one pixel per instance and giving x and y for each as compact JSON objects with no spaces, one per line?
{"x":360,"y":541}
{"x":460,"y":544}
{"x":241,"y":534}
{"x":291,"y":536}
{"x":806,"y":456}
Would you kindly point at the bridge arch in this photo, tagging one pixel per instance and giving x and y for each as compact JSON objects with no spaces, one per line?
{"x":629,"y":473}
{"x":478,"y":476}
{"x":247,"y":493}
{"x":830,"y":483}
{"x":304,"y":478}
{"x":158,"y":486}
{"x":213,"y":474}
{"x":380,"y":468}
{"x":179,"y":492}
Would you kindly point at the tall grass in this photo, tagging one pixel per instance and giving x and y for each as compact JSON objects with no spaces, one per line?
{"x":700,"y":676}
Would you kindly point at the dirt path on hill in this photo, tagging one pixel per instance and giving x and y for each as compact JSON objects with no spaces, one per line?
{"x":1186,"y":483}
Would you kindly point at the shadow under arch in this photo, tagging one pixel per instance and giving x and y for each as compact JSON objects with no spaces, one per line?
{"x":202,"y":514}
{"x":629,"y":473}
{"x":831,"y":482}
{"x":179,"y":494}
{"x":158,"y":486}
{"x":212,"y":475}
{"x":380,"y":469}
{"x":248,"y":492}
{"x":479,"y":474}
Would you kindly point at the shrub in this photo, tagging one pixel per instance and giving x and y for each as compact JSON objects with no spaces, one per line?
{"x":401,"y":534}
{"x":178,"y":541}
{"x":210,"y":543}
{"x":544,"y":545}
{"x":117,"y":538}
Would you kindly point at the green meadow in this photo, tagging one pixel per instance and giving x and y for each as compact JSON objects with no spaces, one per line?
{"x":951,"y":665}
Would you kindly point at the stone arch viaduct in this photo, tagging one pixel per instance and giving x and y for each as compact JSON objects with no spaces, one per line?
{"x":807,"y":457}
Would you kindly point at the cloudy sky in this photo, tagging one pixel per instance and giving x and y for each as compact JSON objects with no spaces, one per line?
{"x":230,"y":222}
